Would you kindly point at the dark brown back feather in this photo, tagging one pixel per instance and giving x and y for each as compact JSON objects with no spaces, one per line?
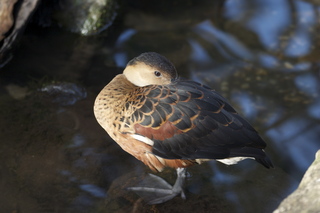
{"x":189,"y":121}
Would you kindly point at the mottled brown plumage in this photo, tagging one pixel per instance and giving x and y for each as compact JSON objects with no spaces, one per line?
{"x":164,"y":121}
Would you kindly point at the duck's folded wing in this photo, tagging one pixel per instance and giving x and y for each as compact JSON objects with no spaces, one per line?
{"x":189,"y":121}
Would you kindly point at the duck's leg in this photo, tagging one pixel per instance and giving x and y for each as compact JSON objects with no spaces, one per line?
{"x":156,"y":190}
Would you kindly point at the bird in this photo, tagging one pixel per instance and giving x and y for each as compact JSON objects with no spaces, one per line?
{"x":165,"y":121}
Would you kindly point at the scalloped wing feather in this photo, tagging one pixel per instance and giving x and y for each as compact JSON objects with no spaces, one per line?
{"x":187,"y":120}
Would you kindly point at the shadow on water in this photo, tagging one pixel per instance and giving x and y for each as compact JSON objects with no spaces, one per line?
{"x":261,"y":55}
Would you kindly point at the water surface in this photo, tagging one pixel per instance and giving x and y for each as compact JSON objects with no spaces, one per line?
{"x":261,"y":55}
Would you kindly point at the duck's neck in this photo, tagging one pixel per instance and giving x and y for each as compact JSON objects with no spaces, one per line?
{"x":110,"y":104}
{"x":118,"y":86}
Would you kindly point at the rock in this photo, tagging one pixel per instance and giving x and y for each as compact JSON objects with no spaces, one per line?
{"x":65,"y":94}
{"x":307,"y":197}
{"x":6,"y":10}
{"x":17,"y":92}
{"x":14,"y":16}
{"x":86,"y":17}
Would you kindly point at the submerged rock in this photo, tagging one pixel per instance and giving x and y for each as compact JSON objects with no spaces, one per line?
{"x":86,"y":17}
{"x":307,"y":197}
{"x":17,"y":92}
{"x":65,"y":93}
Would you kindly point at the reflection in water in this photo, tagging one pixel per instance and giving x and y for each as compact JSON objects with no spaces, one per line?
{"x":299,"y":44}
{"x":120,"y":58}
{"x":262,"y":55}
{"x":268,"y":19}
{"x":314,"y":110}
{"x":77,"y":141}
{"x":298,"y":137}
{"x":308,"y":84}
{"x":93,"y":190}
{"x":223,"y":42}
{"x":247,"y":104}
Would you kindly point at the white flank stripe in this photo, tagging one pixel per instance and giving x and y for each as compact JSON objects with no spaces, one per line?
{"x":234,"y":160}
{"x":142,"y":139}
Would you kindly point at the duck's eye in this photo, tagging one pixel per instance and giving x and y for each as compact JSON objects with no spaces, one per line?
{"x":157,"y":73}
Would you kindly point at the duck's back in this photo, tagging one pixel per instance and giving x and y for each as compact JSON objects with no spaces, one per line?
{"x":187,"y":120}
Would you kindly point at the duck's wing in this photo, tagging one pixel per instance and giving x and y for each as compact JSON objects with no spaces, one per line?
{"x":186,"y":120}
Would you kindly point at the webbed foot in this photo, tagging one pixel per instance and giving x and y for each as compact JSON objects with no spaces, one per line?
{"x":156,"y":190}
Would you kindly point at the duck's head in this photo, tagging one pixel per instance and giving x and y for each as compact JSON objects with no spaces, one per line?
{"x":150,"y":68}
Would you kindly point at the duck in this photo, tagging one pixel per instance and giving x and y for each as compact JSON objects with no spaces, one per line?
{"x":165,"y":121}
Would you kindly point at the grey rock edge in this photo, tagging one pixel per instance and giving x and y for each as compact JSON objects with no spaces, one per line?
{"x":306,"y":198}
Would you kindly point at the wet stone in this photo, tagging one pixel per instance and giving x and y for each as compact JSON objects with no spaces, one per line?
{"x":306,"y":198}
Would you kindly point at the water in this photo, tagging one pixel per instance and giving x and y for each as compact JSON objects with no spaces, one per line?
{"x":261,"y":55}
